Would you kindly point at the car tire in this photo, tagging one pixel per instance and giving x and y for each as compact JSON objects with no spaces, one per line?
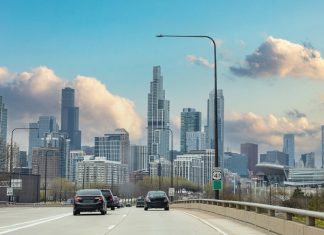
{"x":113,"y":208}
{"x":76,"y":213}
{"x":167,"y":208}
{"x":103,"y":212}
{"x":145,"y":208}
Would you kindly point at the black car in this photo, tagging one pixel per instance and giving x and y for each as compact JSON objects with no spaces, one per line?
{"x":116,"y":202}
{"x":109,"y":198}
{"x":140,"y":202}
{"x":89,"y":200}
{"x":156,"y":199}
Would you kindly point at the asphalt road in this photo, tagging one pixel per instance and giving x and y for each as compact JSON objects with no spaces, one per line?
{"x":123,"y":221}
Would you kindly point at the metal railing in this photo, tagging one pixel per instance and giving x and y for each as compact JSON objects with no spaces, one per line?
{"x":289,"y":213}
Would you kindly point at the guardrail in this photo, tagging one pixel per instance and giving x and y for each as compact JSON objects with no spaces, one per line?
{"x":276,"y":212}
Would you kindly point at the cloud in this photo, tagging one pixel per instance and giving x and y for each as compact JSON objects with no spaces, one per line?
{"x":199,"y":61}
{"x":268,"y":131}
{"x":279,"y":57}
{"x":219,"y":42}
{"x":101,"y":111}
{"x":295,"y":114}
{"x":241,"y":43}
{"x":29,"y":94}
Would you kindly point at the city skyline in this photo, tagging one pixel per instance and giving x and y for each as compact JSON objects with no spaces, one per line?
{"x":107,"y":57}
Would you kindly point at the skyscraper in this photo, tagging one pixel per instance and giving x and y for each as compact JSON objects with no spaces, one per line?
{"x":138,"y":158}
{"x":190,"y":121}
{"x":289,"y":148}
{"x":251,"y":151}
{"x":114,"y":146}
{"x":3,"y":134}
{"x":220,"y":123}
{"x":44,"y":125}
{"x":157,"y":117}
{"x":70,"y":118}
{"x":308,"y":160}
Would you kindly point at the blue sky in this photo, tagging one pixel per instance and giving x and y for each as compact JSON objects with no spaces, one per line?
{"x":114,"y":42}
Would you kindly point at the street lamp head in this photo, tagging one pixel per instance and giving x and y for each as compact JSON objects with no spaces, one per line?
{"x":159,"y":36}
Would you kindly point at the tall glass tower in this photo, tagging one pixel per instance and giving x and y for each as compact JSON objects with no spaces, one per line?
{"x":158,"y":110}
{"x":190,"y":122}
{"x":289,"y":148}
{"x":70,"y":118}
{"x":220,"y":123}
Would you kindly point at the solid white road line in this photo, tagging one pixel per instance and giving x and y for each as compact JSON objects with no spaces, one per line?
{"x":111,"y":227}
{"x":11,"y":228}
{"x":207,"y":223}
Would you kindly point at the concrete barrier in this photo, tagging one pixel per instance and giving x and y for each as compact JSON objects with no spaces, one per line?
{"x":252,"y":214}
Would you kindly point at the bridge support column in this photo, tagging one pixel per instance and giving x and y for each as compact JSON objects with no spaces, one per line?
{"x":310,"y":221}
{"x":271,"y":212}
{"x":288,"y":216}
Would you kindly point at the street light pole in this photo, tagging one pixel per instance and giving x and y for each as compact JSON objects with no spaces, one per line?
{"x":215,"y":96}
{"x":11,"y":150}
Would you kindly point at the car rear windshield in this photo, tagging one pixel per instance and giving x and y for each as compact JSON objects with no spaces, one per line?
{"x":106,"y":192}
{"x":157,"y":194}
{"x":88,"y":192}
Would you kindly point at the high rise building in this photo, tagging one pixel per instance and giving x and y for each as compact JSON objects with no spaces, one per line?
{"x":308,"y":160}
{"x":236,"y":163}
{"x":76,"y":156}
{"x":100,"y":170}
{"x":289,"y":148}
{"x":195,"y":141}
{"x":275,"y":157}
{"x":190,"y":167}
{"x":113,"y":146}
{"x":220,"y":123}
{"x":251,"y":151}
{"x":138,"y":158}
{"x":70,"y":118}
{"x":46,"y":160}
{"x":158,"y":110}
{"x":44,"y":125}
{"x":203,"y":161}
{"x":190,"y":121}
{"x":3,"y":135}
{"x":60,"y":142}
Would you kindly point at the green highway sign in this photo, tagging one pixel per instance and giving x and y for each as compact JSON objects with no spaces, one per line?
{"x":217,"y":184}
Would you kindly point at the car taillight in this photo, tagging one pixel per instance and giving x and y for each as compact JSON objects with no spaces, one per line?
{"x":77,"y":199}
{"x":110,"y":198}
{"x":99,"y":199}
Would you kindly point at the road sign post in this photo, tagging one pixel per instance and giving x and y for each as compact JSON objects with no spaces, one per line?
{"x":171,"y":192}
{"x":217,"y":178}
{"x":9,"y":191}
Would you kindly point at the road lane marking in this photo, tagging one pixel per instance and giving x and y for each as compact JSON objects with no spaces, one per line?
{"x":207,"y":223}
{"x":111,"y":227}
{"x":124,"y":215}
{"x":10,"y":228}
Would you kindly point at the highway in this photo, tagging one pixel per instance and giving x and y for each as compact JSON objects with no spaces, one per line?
{"x":123,"y":221}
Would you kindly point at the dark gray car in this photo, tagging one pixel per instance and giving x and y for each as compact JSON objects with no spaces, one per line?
{"x":89,"y":200}
{"x":156,"y":199}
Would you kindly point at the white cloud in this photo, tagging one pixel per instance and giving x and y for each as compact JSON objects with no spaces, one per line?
{"x":268,"y":131}
{"x":29,"y":94}
{"x":279,"y":57}
{"x":199,"y":61}
{"x":101,"y":111}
